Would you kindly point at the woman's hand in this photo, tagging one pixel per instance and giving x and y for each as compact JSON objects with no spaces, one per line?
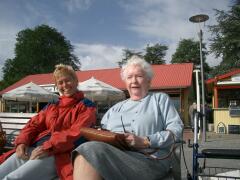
{"x":38,"y":153}
{"x":22,"y":151}
{"x":137,"y":141}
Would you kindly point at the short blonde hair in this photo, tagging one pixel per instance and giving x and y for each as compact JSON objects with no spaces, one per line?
{"x":137,"y":61}
{"x":64,"y":70}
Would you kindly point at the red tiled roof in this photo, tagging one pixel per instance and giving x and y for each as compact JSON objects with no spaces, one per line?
{"x":172,"y":76}
{"x":109,"y":76}
{"x":38,"y":79}
{"x":169,"y":76}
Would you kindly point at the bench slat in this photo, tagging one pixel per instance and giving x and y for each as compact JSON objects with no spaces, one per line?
{"x":13,"y":126}
{"x":12,"y":123}
{"x":17,"y":115}
{"x":10,"y":120}
{"x":12,"y":132}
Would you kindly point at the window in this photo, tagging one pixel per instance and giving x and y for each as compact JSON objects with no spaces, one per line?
{"x":177,"y":103}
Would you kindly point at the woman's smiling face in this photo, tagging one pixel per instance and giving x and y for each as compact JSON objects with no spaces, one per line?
{"x":137,"y":82}
{"x":66,"y":85}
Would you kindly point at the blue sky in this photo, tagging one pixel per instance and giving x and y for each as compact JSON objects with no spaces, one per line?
{"x":100,"y":29}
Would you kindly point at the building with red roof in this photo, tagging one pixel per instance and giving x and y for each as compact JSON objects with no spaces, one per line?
{"x":225,"y":92}
{"x":174,"y":79}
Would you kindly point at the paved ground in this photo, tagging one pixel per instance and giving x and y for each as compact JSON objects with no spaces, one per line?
{"x":213,"y":140}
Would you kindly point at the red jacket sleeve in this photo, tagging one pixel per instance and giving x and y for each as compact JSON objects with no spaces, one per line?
{"x":31,"y":130}
{"x":62,"y":141}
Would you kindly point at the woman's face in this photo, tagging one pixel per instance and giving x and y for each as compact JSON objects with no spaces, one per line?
{"x":66,"y":85}
{"x":136,"y":82}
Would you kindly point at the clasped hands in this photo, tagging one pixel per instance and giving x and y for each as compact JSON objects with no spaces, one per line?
{"x":37,"y":153}
{"x":137,"y":141}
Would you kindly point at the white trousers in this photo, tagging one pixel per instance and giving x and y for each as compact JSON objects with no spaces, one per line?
{"x":39,"y":169}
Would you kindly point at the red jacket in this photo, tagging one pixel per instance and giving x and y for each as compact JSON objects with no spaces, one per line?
{"x":62,"y":122}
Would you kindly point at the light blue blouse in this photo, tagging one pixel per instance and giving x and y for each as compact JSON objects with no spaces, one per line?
{"x":150,"y":116}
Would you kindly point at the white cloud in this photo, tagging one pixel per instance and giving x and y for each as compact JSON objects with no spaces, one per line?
{"x":8,"y":52}
{"x":171,"y":49}
{"x":167,"y":22}
{"x":7,"y":42}
{"x":212,"y":61}
{"x":154,"y":21}
{"x":77,"y":4}
{"x":98,"y":56}
{"x":8,"y":46}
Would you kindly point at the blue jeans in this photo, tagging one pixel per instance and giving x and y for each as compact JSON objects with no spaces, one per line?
{"x":38,"y":169}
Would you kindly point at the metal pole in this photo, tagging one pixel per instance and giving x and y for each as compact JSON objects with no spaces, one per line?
{"x":199,"y":19}
{"x":196,"y":120}
{"x":203,"y":90}
{"x":197,"y":123}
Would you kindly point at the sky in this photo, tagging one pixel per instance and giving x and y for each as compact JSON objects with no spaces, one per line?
{"x":99,"y":30}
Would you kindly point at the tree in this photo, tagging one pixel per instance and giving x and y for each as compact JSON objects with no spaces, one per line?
{"x":37,"y":51}
{"x":127,"y":53}
{"x":188,"y":51}
{"x":155,"y":54}
{"x":225,"y":39}
{"x":220,"y":69}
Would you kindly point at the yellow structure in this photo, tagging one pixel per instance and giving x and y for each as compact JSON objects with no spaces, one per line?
{"x":224,"y":123}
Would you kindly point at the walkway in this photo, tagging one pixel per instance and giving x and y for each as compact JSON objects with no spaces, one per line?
{"x":213,"y":140}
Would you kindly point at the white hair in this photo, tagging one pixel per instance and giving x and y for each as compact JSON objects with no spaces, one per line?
{"x":137,"y":61}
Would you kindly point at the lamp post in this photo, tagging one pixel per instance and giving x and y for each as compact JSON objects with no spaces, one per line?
{"x":199,"y":19}
{"x":196,"y":71}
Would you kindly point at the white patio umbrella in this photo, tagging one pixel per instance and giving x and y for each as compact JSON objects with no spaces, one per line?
{"x":30,"y":92}
{"x":97,"y":90}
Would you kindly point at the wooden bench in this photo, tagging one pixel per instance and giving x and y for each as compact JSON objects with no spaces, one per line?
{"x":12,"y":123}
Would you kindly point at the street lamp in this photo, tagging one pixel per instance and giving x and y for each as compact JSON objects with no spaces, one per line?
{"x":199,"y":19}
{"x":196,"y":123}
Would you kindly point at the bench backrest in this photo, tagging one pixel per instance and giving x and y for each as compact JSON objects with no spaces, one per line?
{"x":12,"y":123}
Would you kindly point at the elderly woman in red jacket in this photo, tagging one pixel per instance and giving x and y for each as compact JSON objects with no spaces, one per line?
{"x":43,"y":148}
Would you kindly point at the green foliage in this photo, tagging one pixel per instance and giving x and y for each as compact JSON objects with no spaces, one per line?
{"x":37,"y":51}
{"x":10,"y":73}
{"x":187,"y":51}
{"x":155,"y":54}
{"x":127,"y":53}
{"x":223,"y":68}
{"x":225,"y":40}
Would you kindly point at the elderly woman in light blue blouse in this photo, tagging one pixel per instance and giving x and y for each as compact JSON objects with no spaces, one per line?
{"x":148,"y":120}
